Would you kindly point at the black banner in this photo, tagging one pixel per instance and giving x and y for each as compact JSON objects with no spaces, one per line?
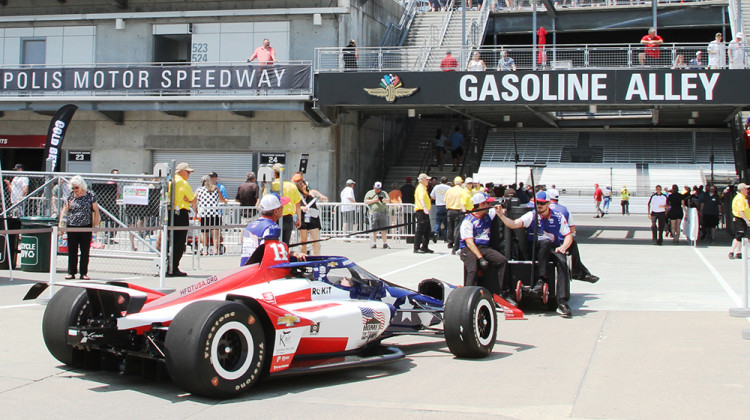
{"x":626,"y":87}
{"x":56,"y":134}
{"x":167,"y":78}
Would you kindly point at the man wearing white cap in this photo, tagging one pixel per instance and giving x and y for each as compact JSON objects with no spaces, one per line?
{"x":737,"y":52}
{"x":377,"y":200}
{"x":476,"y":250}
{"x":347,"y":208}
{"x":578,"y":270}
{"x":717,"y":53}
{"x":265,"y":228}
{"x":422,"y":206}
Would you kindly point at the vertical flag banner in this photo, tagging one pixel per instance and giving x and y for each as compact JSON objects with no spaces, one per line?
{"x":56,"y":134}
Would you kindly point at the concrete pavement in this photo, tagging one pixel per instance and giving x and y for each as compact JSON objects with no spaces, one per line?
{"x":653,"y":338}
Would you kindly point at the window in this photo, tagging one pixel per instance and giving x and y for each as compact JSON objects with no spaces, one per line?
{"x":34,"y":51}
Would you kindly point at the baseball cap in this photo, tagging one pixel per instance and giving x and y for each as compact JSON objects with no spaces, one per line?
{"x":183,"y":166}
{"x":469,"y":180}
{"x":272,"y":202}
{"x":423,"y":176}
{"x":296,"y":177}
{"x":277,"y":167}
{"x":458,"y":180}
{"x":378,"y":185}
{"x":18,"y":166}
{"x":542,"y":197}
{"x":480,"y":198}
{"x":350,"y":181}
{"x":553,"y":194}
{"x":742,"y":186}
{"x":213,"y":174}
{"x":739,"y":35}
{"x":718,"y":34}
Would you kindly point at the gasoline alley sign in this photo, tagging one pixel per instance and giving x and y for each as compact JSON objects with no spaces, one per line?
{"x":543,"y":87}
{"x":168,"y":78}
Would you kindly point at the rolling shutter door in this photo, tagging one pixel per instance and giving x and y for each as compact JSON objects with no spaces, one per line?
{"x":231,"y":167}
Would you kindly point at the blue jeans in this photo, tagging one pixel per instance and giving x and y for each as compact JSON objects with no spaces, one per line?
{"x":441,"y":214}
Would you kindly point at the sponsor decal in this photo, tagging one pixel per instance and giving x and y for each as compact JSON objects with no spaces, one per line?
{"x":201,"y":284}
{"x":372,"y":322}
{"x":269,"y":297}
{"x":286,"y":343}
{"x":281,"y":362}
{"x":315,"y":328}
{"x":283,"y":337}
{"x":287,"y":320}
{"x":323,"y":290}
{"x":215,"y":381}
{"x":91,"y":336}
{"x":391,"y":88}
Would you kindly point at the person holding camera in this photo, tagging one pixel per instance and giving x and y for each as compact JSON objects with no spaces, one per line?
{"x":476,"y":252}
{"x":377,"y":200}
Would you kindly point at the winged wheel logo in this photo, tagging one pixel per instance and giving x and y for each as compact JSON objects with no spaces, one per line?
{"x":391,"y":88}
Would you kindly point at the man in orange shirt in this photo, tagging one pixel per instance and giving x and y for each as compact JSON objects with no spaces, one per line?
{"x":265,"y":54}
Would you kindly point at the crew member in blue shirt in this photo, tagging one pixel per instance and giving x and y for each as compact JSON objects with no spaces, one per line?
{"x":578,"y":270}
{"x":475,"y":248}
{"x":265,"y":228}
{"x":553,"y":233}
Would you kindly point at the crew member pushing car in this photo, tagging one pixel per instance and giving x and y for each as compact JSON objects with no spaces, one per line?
{"x":265,"y":228}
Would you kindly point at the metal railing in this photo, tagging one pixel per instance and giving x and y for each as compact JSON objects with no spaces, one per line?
{"x":558,"y":57}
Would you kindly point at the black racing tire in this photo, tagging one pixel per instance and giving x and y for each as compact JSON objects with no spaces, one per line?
{"x":216,"y":349}
{"x":68,"y":307}
{"x":470,"y":322}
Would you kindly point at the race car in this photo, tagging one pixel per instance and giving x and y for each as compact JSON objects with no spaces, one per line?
{"x":272,"y":317}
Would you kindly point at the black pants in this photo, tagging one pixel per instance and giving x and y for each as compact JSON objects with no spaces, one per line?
{"x":180,"y":237}
{"x":454,"y":220}
{"x":502,"y":281}
{"x":78,"y":240}
{"x":422,"y":232}
{"x":625,"y":207}
{"x":578,"y":270}
{"x":546,"y":252}
{"x":287,"y":225}
{"x":659,"y":219}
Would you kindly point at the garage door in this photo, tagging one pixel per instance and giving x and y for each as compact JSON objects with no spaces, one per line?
{"x":231,"y":167}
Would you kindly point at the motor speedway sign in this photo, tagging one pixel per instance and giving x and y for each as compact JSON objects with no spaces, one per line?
{"x":540,"y":87}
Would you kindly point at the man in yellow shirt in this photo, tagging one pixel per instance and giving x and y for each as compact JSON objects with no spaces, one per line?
{"x":466,"y":206}
{"x":291,"y":209}
{"x":740,"y":212}
{"x":183,"y":200}
{"x":455,"y":207}
{"x":422,"y":206}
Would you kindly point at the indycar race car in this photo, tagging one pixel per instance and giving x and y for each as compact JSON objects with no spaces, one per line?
{"x":222,"y":335}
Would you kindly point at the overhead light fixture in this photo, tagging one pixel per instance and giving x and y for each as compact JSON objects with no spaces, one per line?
{"x":592,"y":109}
{"x":691,"y":121}
{"x":519,"y":124}
{"x":412,"y":112}
{"x":506,"y":118}
{"x":695,"y":114}
{"x":606,"y":127}
{"x":317,"y":19}
{"x":119,"y":24}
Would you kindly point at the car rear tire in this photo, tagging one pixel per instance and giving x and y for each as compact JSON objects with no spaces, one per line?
{"x":68,"y":307}
{"x":470,"y":322}
{"x":216,"y":349}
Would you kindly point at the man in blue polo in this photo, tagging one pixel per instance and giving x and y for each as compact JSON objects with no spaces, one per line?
{"x":265,"y":228}
{"x":475,"y":230}
{"x":553,"y":234}
{"x":578,"y":270}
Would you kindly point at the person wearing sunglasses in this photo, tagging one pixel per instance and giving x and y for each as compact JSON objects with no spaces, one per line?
{"x":554,"y":238}
{"x":80,"y":211}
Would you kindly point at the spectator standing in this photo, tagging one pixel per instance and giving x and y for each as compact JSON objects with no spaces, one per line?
{"x":80,"y":211}
{"x":222,"y":189}
{"x":657,"y":207}
{"x":309,"y":230}
{"x":710,"y":209}
{"x":347,"y":207}
{"x":717,"y":53}
{"x":292,"y":215}
{"x":407,"y":191}
{"x":675,"y":212}
{"x":454,"y":204}
{"x":377,"y":200}
{"x":625,"y":200}
{"x":395,"y":195}
{"x":184,"y":199}
{"x":265,"y":54}
{"x":737,"y":52}
{"x":449,"y":62}
{"x":351,"y":55}
{"x":506,"y":63}
{"x":651,"y":52}
{"x":18,"y":188}
{"x":422,"y":206}
{"x":457,"y":141}
{"x":208,"y":198}
{"x":247,"y":194}
{"x":476,"y":63}
{"x":741,"y":221}
{"x":438,"y":194}
{"x":598,"y":196}
{"x":438,"y":145}
{"x":606,"y":198}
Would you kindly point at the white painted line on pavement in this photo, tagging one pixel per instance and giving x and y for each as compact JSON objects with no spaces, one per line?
{"x":735,"y":298}
{"x":19,"y":306}
{"x":413,"y":265}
